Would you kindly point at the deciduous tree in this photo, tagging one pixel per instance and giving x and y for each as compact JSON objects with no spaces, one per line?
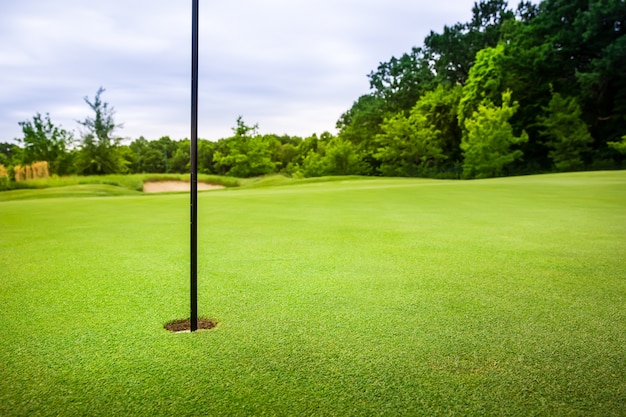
{"x":453,"y":52}
{"x":401,"y":81}
{"x":619,"y":146}
{"x":485,"y":82}
{"x":99,"y":153}
{"x":245,"y":154}
{"x":409,"y":145}
{"x":567,"y":134}
{"x":488,"y":142}
{"x":343,"y":158}
{"x":43,"y":141}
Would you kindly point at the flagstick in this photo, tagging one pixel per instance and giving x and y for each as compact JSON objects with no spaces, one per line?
{"x":193,"y":320}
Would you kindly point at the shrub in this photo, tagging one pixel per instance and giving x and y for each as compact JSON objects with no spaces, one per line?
{"x":568,"y":135}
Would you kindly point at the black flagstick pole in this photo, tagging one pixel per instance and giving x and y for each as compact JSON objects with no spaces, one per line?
{"x":193,"y":320}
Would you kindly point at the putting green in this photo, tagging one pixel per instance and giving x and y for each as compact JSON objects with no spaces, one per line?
{"x":357,"y":297}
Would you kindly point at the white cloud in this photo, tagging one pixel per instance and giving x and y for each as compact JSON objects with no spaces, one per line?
{"x":292,"y":66}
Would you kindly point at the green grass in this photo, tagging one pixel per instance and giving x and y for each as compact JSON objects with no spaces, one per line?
{"x":116,"y":185}
{"x":68,"y":191}
{"x":279,"y":180}
{"x":359,"y":297}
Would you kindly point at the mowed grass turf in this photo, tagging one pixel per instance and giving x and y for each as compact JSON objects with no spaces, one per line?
{"x":363,"y":297}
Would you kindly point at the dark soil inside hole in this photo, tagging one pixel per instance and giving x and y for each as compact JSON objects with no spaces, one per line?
{"x":185,"y":325}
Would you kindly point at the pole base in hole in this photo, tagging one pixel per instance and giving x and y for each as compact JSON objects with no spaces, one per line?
{"x":184,"y":325}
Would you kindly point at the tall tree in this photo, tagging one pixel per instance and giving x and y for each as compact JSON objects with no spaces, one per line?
{"x":485,"y":82}
{"x":488,"y":144}
{"x":440,"y":107}
{"x":602,"y":29}
{"x":343,"y":158}
{"x":158,"y":155}
{"x":409,"y":145}
{"x":567,"y":134}
{"x":401,"y":81}
{"x":181,"y":159}
{"x":43,"y":141}
{"x":139,"y":148}
{"x":206,"y":156}
{"x":579,"y":46}
{"x":361,"y":124}
{"x":245,"y":154}
{"x":10,"y":154}
{"x":453,"y":51}
{"x":330,"y":155}
{"x":99,"y":153}
{"x":451,"y":55}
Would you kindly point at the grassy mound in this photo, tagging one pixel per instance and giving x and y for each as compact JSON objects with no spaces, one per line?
{"x":69,"y":191}
{"x":364,"y":297}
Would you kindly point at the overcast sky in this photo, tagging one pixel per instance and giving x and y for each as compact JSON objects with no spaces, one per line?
{"x":292,"y":66}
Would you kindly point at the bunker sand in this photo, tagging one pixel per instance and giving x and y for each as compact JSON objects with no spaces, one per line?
{"x":169,"y":186}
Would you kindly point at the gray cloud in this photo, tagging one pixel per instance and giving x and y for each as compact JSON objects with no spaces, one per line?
{"x":291,"y":66}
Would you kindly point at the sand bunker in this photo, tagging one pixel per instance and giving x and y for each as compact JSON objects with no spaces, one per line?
{"x":168,"y":186}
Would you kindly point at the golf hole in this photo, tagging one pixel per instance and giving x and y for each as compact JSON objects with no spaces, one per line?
{"x":184,"y":325}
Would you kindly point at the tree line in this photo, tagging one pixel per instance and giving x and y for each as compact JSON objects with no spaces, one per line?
{"x":246,"y":153}
{"x":538,"y":88}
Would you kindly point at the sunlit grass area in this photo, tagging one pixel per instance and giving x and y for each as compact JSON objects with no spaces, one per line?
{"x":351,"y":297}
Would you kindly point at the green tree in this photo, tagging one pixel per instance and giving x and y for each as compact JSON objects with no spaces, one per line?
{"x":619,"y":146}
{"x":409,"y":146}
{"x":579,"y":47}
{"x":361,"y":123}
{"x":10,"y":154}
{"x":330,"y":155}
{"x":244,"y":155}
{"x":343,"y":158}
{"x":288,"y":158}
{"x":309,"y":148}
{"x":567,"y":134}
{"x":313,"y":165}
{"x":488,"y":143}
{"x":485,"y":82}
{"x":139,"y":148}
{"x":206,"y":156}
{"x":158,"y":155}
{"x":442,"y":64}
{"x":601,"y":75}
{"x":401,"y":81}
{"x":454,"y":50}
{"x":440,"y":107}
{"x":181,"y":158}
{"x":153,"y":160}
{"x":99,"y":153}
{"x":43,"y":141}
